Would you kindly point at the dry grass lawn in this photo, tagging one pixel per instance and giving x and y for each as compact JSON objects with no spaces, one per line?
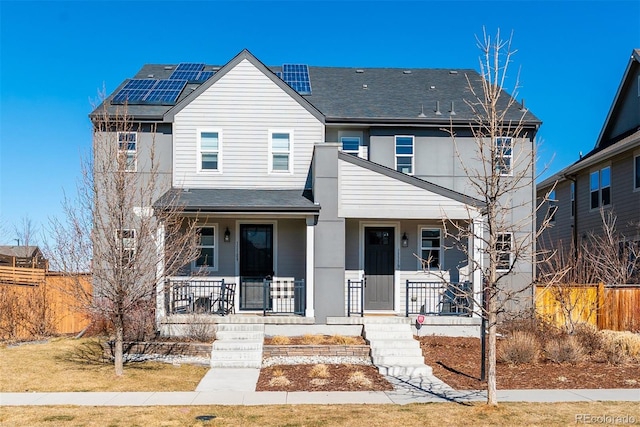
{"x":435,"y":414}
{"x":64,"y":364}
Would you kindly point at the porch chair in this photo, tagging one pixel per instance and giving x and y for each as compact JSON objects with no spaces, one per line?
{"x":182,"y":299}
{"x":225,"y":301}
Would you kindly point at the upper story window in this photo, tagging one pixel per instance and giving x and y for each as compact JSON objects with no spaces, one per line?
{"x":127,"y":149}
{"x":430,"y":248}
{"x":504,"y":249}
{"x":573,"y":199}
{"x":209,"y":142}
{"x":504,"y":155}
{"x":636,"y":174}
{"x":351,"y":144}
{"x":600,"y":186}
{"x":404,"y":154}
{"x":207,"y":257}
{"x":553,"y":206}
{"x":126,"y":243}
{"x":280,"y":151}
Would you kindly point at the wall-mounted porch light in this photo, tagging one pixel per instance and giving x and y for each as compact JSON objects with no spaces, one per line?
{"x":405,"y":240}
{"x":227,"y":235}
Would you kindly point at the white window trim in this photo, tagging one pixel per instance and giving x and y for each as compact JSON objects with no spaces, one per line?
{"x":413,"y":155}
{"x":129,"y":244}
{"x":215,"y":246}
{"x":600,"y":187}
{"x":420,"y":248}
{"x":498,"y":269}
{"x":129,"y":152}
{"x":200,"y":131}
{"x":358,"y":152}
{"x":290,"y":152}
{"x":636,"y":163}
{"x":553,"y":206}
{"x":502,"y":156}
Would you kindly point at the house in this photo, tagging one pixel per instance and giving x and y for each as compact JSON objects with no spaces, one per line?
{"x":314,"y":179}
{"x":607,"y":177}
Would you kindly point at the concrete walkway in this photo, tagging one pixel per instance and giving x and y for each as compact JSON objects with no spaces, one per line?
{"x":302,"y":398}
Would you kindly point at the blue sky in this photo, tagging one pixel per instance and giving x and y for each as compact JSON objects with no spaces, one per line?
{"x":56,"y":56}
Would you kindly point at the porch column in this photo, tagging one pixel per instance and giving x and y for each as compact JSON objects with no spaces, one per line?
{"x":160,"y":285}
{"x":476,"y":263}
{"x":309,"y":312}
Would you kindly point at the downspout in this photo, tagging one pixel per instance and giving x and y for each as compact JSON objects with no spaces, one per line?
{"x":574,"y":226}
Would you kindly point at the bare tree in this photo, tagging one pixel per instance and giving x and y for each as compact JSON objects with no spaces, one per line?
{"x":25,"y":232}
{"x":112,"y":227}
{"x":501,"y":175}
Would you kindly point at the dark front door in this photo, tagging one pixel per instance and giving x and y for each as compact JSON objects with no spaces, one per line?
{"x":256,"y":263}
{"x":378,"y":268}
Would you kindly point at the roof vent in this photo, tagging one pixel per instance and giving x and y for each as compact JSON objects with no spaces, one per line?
{"x":523,"y":107}
{"x":452,"y":111}
{"x":149,"y":76}
{"x":215,"y":68}
{"x":359,"y":71}
{"x":422,"y":115}
{"x":364,"y":86}
{"x":453,"y":72}
{"x":432,"y":87}
{"x":438,"y":113}
{"x":406,"y":72}
{"x":168,"y":67}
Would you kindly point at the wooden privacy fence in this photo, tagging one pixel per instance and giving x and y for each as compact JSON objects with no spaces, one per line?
{"x":11,"y":275}
{"x":48,"y":308}
{"x":615,"y":307}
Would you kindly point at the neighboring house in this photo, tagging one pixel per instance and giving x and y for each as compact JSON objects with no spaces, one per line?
{"x":22,"y":256}
{"x":608,"y":177}
{"x":323,"y":174}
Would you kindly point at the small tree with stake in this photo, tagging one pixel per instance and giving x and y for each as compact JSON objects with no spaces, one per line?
{"x":501,"y":175}
{"x":112,"y":229}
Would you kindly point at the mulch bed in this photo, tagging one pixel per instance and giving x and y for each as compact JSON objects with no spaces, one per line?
{"x":456,"y":361}
{"x":300,"y":380}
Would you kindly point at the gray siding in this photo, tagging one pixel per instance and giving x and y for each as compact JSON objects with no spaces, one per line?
{"x":244,"y":105}
{"x":628,"y":108}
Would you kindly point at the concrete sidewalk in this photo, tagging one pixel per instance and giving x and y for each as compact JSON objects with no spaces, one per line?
{"x":399,"y":396}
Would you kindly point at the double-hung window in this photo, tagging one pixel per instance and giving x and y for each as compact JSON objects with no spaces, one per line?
{"x":127,"y":149}
{"x":351,"y":144}
{"x":404,"y":154}
{"x":553,"y":206}
{"x":280,"y":151}
{"x":503,"y":155}
{"x":207,"y":257}
{"x":504,"y":251}
{"x":430,"y":248}
{"x":126,"y":245}
{"x":210,"y":143}
{"x":636,"y":163}
{"x":600,"y":186}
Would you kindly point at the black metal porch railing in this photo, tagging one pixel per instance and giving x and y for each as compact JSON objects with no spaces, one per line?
{"x":439,"y":298}
{"x":355,"y":297}
{"x":186,"y":296}
{"x":280,"y":296}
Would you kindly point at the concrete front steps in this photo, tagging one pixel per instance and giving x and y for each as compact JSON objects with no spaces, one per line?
{"x":394,"y":350}
{"x":237,"y":346}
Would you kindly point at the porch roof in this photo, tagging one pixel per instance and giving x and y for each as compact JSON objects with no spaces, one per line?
{"x":240,"y":200}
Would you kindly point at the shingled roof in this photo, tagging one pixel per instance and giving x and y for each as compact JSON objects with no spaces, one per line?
{"x":368,"y":95}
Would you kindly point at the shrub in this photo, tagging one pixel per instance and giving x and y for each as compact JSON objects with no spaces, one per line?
{"x":312,"y":339}
{"x":565,"y":350}
{"x":542,"y":329}
{"x":279,"y":381}
{"x":199,"y":330}
{"x":319,"y":371}
{"x":620,"y":346}
{"x":280,"y":340}
{"x":359,"y":378}
{"x":344,"y":340}
{"x":520,"y":347}
{"x":589,"y":337}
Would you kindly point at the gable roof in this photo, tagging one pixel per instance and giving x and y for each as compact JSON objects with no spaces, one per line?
{"x":625,"y":84}
{"x":340,"y":94}
{"x":19,"y":251}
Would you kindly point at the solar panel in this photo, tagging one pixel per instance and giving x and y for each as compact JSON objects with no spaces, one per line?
{"x":165,"y":92}
{"x":297,"y":76}
{"x":187,"y":66}
{"x":134,"y":91}
{"x":205,"y":75}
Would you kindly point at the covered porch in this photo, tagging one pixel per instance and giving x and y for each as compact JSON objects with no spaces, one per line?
{"x":255,"y":255}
